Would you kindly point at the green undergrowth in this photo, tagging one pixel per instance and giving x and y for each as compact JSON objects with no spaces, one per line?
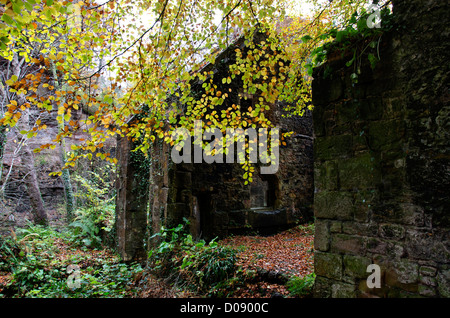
{"x":301,"y":286}
{"x":209,"y":269}
{"x":195,"y":265}
{"x":40,"y":262}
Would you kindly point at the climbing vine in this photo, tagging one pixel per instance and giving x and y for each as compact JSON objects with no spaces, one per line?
{"x":360,"y":38}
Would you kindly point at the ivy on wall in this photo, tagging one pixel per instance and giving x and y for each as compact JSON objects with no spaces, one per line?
{"x":359,"y":39}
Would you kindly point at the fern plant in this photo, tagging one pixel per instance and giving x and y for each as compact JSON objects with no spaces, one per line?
{"x":301,"y":286}
{"x":95,"y":217}
{"x":198,"y":263}
{"x":86,"y":231}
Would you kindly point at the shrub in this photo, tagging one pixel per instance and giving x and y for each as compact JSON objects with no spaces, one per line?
{"x":92,"y":225}
{"x":28,"y":256}
{"x":85,"y":231}
{"x":200,"y":265}
{"x":207,"y":265}
{"x":307,"y":228}
{"x":94,"y":219}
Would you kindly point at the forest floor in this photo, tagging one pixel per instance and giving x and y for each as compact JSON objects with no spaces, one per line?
{"x":274,"y":258}
{"x":271,"y":259}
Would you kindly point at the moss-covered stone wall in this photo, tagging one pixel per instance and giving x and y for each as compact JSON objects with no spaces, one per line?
{"x":131,"y":200}
{"x":381,"y":163}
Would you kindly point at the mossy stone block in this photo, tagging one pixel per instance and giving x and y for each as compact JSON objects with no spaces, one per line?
{"x":331,"y":147}
{"x":359,"y":172}
{"x":356,"y":266}
{"x":333,"y":205}
{"x":326,"y":176}
{"x":328,"y":265}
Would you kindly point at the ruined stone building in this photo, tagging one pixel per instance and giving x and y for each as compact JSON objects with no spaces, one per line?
{"x":213,"y":197}
{"x":381,"y":170}
{"x":216,"y":201}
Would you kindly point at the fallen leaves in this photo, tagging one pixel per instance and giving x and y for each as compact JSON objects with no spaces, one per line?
{"x":272,"y":259}
{"x":286,"y":254}
{"x":5,"y":279}
{"x":150,"y":286}
{"x":290,"y":252}
{"x":83,"y":257}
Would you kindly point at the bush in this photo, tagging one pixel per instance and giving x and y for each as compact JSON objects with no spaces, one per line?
{"x":109,"y":280}
{"x":207,"y":265}
{"x":93,"y":224}
{"x":94,"y":219}
{"x":28,"y":256}
{"x":9,"y":251}
{"x":198,"y":264}
{"x":307,"y":228}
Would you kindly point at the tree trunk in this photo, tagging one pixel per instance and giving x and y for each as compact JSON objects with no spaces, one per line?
{"x":68,"y":191}
{"x":31,"y":181}
{"x":27,"y":157}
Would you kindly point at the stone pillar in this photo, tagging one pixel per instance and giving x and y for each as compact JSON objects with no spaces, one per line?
{"x":170,"y":189}
{"x":159,"y":186}
{"x":131,"y":202}
{"x":382,"y":163}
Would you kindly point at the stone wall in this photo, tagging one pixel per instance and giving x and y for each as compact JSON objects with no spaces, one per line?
{"x":131,"y":201}
{"x":226,"y":202}
{"x":381,"y":158}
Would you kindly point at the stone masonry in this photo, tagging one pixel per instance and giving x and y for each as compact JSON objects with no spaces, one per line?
{"x":381,"y":157}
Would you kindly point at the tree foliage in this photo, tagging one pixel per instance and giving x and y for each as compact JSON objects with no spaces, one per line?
{"x":117,"y":58}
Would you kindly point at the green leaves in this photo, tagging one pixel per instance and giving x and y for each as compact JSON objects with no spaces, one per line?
{"x":349,"y":63}
{"x":201,"y":265}
{"x":28,"y":5}
{"x":373,"y":60}
{"x":362,"y":24}
{"x":309,"y":68}
{"x":226,"y":80}
{"x":12,"y":80}
{"x":39,"y":259}
{"x":301,"y":286}
{"x":306,"y":38}
{"x":8,"y":19}
{"x":340,"y":35}
{"x":354,"y":37}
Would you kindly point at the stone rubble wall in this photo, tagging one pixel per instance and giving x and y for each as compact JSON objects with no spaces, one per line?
{"x":381,"y":163}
